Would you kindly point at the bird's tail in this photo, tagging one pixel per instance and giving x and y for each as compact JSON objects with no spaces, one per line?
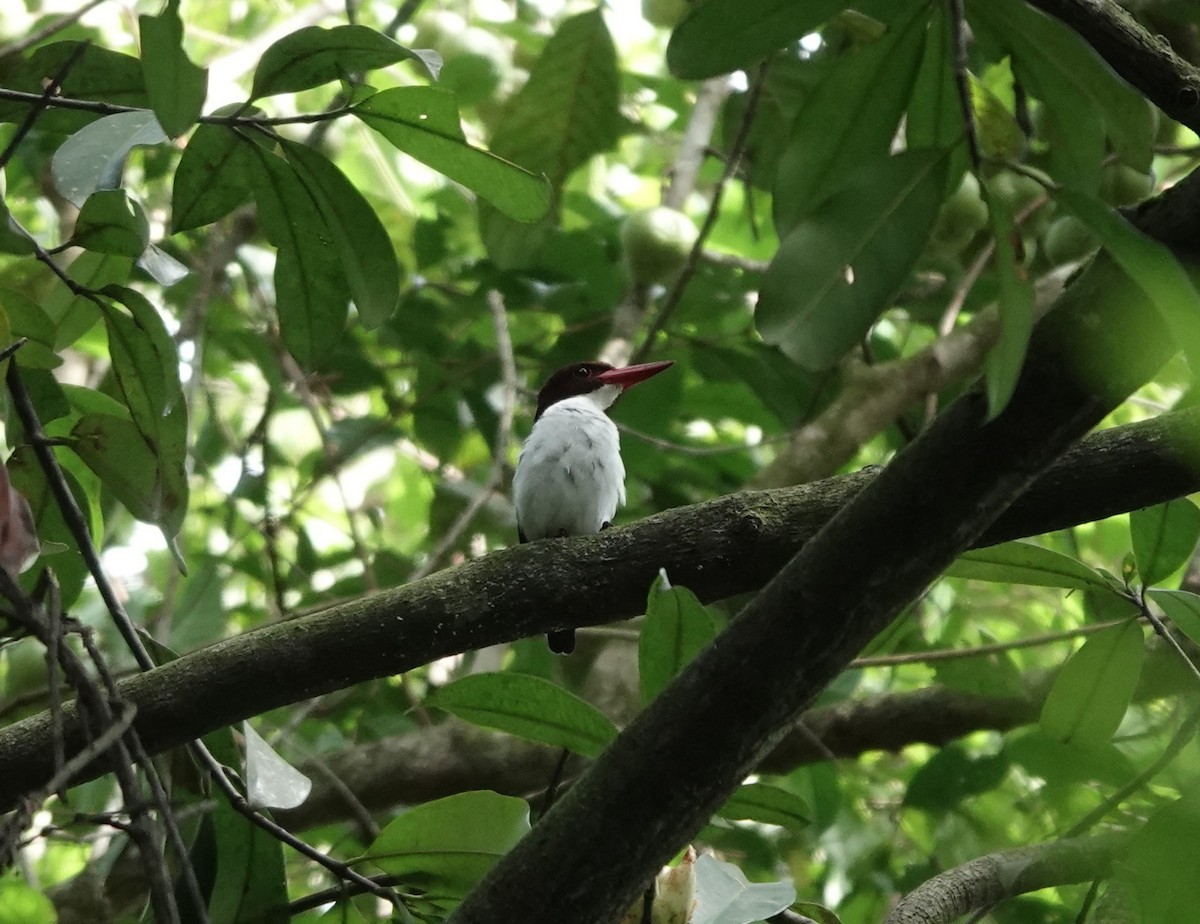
{"x":561,"y":641}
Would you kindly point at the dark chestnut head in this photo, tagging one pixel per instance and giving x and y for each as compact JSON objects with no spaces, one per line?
{"x":586,"y":377}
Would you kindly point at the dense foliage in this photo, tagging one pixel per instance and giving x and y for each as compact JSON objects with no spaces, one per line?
{"x":280,"y":282}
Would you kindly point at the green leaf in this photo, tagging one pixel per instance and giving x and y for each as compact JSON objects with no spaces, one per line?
{"x":366,"y":252}
{"x":568,"y":110}
{"x":768,"y":804}
{"x":1164,"y":537}
{"x":1182,"y":608}
{"x":213,"y":176}
{"x":444,"y":847}
{"x":111,"y":222}
{"x":1153,"y":868}
{"x":1004,"y":360}
{"x":849,"y":120}
{"x":837,"y":270}
{"x":145,"y":363}
{"x":94,"y":157}
{"x":934,"y":118}
{"x":1063,"y":71}
{"x":312,"y":56}
{"x":23,"y":904}
{"x":250,"y":882}
{"x":423,"y":122}
{"x":118,"y":453}
{"x":97,"y":74}
{"x":1151,"y":266}
{"x":528,"y":706}
{"x":176,"y":86}
{"x":1026,"y":563}
{"x":720,"y":36}
{"x":677,"y":628}
{"x":1094,"y":688}
{"x":311,"y":291}
{"x":73,"y":315}
{"x":27,"y":476}
{"x":951,"y":776}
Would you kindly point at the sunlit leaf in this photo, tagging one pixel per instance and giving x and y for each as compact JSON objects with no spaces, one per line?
{"x":768,"y":804}
{"x":529,"y":706}
{"x":1094,"y":688}
{"x":677,"y":628}
{"x":1164,"y":537}
{"x":1026,"y":563}
{"x":312,"y":56}
{"x":447,"y":845}
{"x":312,"y":295}
{"x":725,"y":896}
{"x":111,"y":222}
{"x":175,"y":85}
{"x":1182,"y":608}
{"x":836,"y":271}
{"x":94,"y":157}
{"x":848,"y":121}
{"x":728,"y":35}
{"x":367,"y":256}
{"x":424,"y":123}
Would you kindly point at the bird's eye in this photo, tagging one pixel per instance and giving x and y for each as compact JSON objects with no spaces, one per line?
{"x":583,"y":372}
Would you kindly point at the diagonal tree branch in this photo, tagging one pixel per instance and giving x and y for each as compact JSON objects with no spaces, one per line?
{"x":664,"y":775}
{"x":720,"y":548}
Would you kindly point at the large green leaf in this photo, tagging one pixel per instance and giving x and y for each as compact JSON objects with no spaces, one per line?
{"x":1164,"y":537}
{"x":1094,"y":688}
{"x":1151,"y":266}
{"x":1004,"y":360}
{"x":146,"y":365}
{"x":311,"y":292}
{"x":213,"y":176}
{"x":96,"y":74}
{"x":1182,"y":608}
{"x":118,"y":453}
{"x":837,"y":270}
{"x":1026,"y":563}
{"x":935,"y":117}
{"x":849,"y":120}
{"x":368,"y":259}
{"x":73,"y":315}
{"x":444,"y":847}
{"x":1157,"y":869}
{"x":249,"y":883}
{"x":677,"y":628}
{"x":767,"y":804}
{"x":312,"y":56}
{"x":111,"y":222}
{"x":720,"y":36}
{"x":94,"y":157}
{"x":568,"y":110}
{"x":423,"y":122}
{"x":529,"y":706}
{"x":176,"y":86}
{"x":1062,"y":70}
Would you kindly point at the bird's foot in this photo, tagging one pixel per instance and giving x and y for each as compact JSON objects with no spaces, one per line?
{"x":605,"y":525}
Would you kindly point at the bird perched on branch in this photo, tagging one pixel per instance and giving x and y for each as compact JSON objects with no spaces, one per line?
{"x":570,"y":478}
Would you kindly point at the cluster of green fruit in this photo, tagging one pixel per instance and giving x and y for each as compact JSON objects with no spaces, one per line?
{"x":1063,"y":237}
{"x":656,"y":243}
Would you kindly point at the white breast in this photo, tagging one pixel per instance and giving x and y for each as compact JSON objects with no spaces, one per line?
{"x":570,"y":478}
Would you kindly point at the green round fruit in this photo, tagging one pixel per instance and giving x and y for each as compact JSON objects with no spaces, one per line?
{"x":1123,"y":185}
{"x":961,"y":217}
{"x":656,"y":243}
{"x":1068,"y":239}
{"x":1018,"y":192}
{"x":666,"y":14}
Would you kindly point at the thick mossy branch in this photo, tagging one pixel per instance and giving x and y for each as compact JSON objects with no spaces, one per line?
{"x":720,"y":548}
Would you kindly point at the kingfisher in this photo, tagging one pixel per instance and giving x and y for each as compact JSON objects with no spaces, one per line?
{"x":570,"y":479}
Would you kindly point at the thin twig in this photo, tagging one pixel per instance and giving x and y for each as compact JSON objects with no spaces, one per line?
{"x":962,"y":80}
{"x":732,"y":164}
{"x":40,"y":103}
{"x":953,"y":654}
